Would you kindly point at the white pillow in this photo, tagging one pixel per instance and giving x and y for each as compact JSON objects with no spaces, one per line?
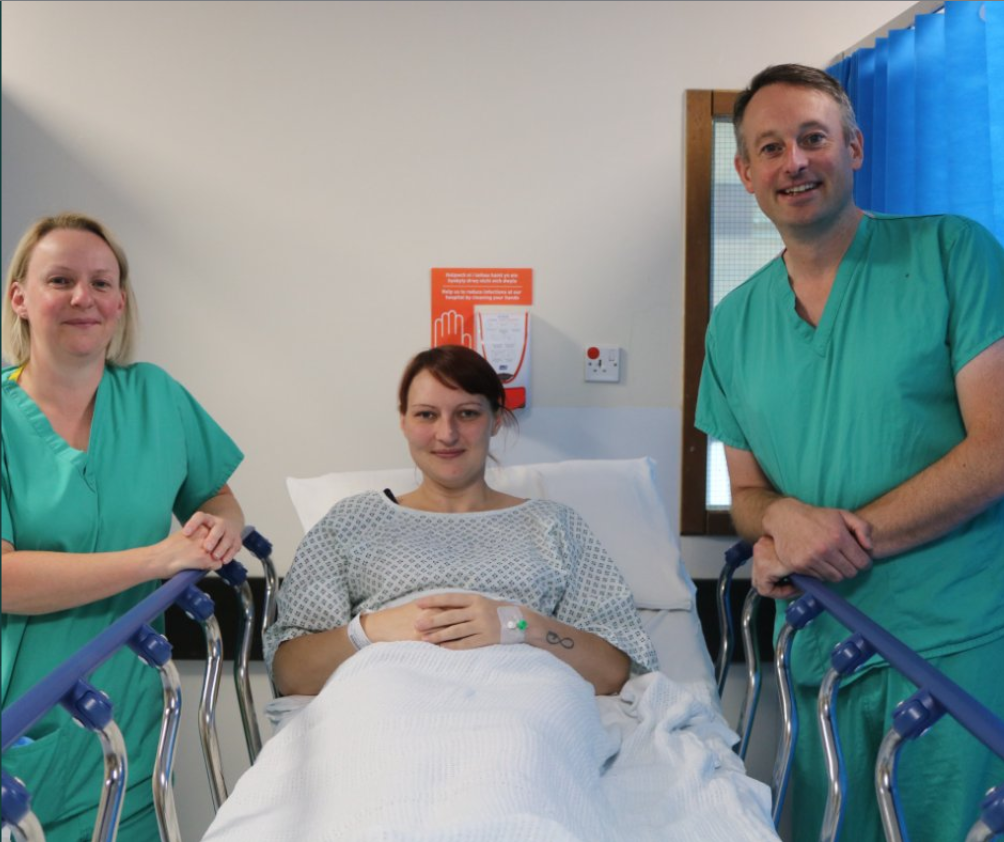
{"x":618,"y":498}
{"x":620,"y":501}
{"x":313,"y":498}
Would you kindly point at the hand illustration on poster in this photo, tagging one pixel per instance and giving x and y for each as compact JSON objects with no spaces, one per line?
{"x":450,"y":328}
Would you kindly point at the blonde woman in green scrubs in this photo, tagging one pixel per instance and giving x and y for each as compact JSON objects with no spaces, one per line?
{"x":97,"y":455}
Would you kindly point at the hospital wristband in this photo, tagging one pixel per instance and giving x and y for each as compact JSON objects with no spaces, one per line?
{"x":513,"y":626}
{"x":357,"y":635}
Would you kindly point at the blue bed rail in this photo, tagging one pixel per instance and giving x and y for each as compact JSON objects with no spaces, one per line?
{"x":936,"y":696}
{"x":67,"y":685}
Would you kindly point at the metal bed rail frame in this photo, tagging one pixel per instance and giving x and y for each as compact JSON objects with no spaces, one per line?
{"x":936,"y":695}
{"x":67,"y":685}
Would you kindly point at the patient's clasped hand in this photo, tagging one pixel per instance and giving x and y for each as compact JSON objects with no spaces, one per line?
{"x":423,"y":727}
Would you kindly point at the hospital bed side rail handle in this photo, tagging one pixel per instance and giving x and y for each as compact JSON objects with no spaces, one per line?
{"x":976,"y":718}
{"x":23,"y":713}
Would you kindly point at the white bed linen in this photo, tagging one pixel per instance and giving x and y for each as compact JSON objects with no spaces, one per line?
{"x":409,"y":741}
{"x":677,"y":638}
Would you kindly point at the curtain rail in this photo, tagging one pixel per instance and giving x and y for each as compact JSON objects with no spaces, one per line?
{"x":902,"y":21}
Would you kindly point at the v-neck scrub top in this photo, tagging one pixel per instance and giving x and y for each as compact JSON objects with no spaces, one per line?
{"x":153,"y":451}
{"x":840,"y":414}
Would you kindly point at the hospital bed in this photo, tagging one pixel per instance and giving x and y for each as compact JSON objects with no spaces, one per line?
{"x":618,"y":498}
{"x":620,"y":502}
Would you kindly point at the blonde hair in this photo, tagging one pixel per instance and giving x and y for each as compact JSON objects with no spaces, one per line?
{"x":17,"y":332}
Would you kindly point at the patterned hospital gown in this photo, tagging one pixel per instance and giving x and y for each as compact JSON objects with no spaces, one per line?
{"x":368,"y":552}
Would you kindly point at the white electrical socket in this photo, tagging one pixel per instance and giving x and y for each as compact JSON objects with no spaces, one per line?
{"x":603,"y":364}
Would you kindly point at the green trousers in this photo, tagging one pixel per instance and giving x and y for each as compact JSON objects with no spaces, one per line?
{"x":942,"y":776}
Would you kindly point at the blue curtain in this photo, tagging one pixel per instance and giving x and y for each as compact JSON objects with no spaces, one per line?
{"x":930,"y":102}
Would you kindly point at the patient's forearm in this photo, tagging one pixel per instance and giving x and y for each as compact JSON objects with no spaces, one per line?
{"x":596,"y":660}
{"x":303,"y":664}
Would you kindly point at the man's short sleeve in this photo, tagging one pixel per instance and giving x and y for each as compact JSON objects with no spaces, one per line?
{"x":974,"y":277}
{"x":715,"y":415}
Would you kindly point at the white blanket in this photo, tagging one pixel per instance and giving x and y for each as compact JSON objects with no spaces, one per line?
{"x":408,"y":741}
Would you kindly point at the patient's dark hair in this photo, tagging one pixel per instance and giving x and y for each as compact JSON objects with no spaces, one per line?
{"x":457,"y":367}
{"x":801,"y":76}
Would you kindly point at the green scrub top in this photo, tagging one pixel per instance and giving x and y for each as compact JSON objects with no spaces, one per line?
{"x":153,"y":451}
{"x":839,"y":414}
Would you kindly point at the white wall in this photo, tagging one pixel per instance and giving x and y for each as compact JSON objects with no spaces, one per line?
{"x":284,"y":176}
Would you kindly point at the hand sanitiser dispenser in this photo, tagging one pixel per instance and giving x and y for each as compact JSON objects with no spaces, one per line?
{"x":503,"y":338}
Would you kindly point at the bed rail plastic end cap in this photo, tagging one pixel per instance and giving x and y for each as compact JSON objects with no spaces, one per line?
{"x":915,"y":715}
{"x":151,"y":646}
{"x":256,"y":543}
{"x":89,"y":706}
{"x":851,"y":653}
{"x":233,"y":573}
{"x":992,"y":809}
{"x":15,"y":798}
{"x":196,"y":604}
{"x":737,"y":555}
{"x":803,"y":611}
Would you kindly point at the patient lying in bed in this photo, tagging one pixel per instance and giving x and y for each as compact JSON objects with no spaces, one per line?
{"x":496,"y":623}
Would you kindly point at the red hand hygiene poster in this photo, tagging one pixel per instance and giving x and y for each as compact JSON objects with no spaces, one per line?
{"x":456,"y":292}
{"x":487,"y":310}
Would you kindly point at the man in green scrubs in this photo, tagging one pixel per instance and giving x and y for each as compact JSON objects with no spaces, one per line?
{"x":857,"y":383}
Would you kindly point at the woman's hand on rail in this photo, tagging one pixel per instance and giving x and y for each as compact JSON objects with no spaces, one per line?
{"x":180,"y":551}
{"x":222,"y":516}
{"x":222,"y":537}
{"x":40,"y":581}
{"x":459,"y":620}
{"x":829,"y":544}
